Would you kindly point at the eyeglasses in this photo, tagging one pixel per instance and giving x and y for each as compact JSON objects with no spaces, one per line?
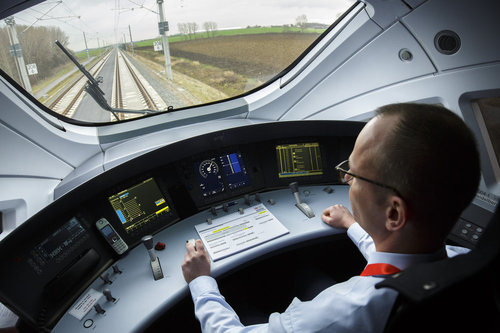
{"x":345,"y":177}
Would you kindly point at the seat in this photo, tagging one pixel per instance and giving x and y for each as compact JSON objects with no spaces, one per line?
{"x":460,"y":294}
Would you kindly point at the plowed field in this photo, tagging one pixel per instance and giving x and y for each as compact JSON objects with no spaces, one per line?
{"x":253,"y":56}
{"x":234,"y":64}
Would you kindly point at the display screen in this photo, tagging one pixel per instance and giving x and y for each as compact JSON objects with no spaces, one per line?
{"x":58,"y":245}
{"x":209,"y":176}
{"x":217,"y":174}
{"x":234,"y":170}
{"x":139,"y":204}
{"x":107,"y":231}
{"x":299,"y":159}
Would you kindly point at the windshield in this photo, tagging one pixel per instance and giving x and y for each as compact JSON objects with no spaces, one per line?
{"x":148,"y":56}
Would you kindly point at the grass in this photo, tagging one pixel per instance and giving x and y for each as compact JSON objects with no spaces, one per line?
{"x":51,"y":94}
{"x":81,"y":56}
{"x":223,"y":80}
{"x":47,"y":100}
{"x":59,"y":72}
{"x":231,"y":32}
{"x":197,"y":91}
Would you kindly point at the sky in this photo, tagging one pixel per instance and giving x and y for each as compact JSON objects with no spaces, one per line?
{"x":106,"y":22}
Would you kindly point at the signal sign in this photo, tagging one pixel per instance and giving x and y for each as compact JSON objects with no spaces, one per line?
{"x":163,"y":27}
{"x":157,"y":45}
{"x":32,"y":69}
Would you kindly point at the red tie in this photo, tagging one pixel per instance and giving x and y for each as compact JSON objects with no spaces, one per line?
{"x":379,"y":269}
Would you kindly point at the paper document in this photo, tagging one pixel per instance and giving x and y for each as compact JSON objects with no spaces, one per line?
{"x":85,"y":304}
{"x":236,"y":232}
{"x":7,"y":317}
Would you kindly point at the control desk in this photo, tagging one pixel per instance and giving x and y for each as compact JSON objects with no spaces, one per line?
{"x":80,"y":265}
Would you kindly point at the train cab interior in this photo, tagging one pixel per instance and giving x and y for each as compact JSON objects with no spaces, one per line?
{"x":134,"y":143}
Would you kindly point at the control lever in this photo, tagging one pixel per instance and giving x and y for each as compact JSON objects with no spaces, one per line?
{"x":116,"y":269}
{"x":304,"y":208}
{"x":108,"y":295}
{"x":106,"y":279}
{"x":98,"y":308}
{"x":154,"y":260}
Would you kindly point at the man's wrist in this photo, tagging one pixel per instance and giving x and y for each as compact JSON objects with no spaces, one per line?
{"x":349,"y":223}
{"x":201,"y":285}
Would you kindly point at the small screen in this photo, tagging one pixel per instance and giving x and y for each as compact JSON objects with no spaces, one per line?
{"x":139,"y":204}
{"x":210,"y":177}
{"x":107,"y":231}
{"x":58,"y":245}
{"x":234,"y":170}
{"x":299,"y":159}
{"x":216,"y":175}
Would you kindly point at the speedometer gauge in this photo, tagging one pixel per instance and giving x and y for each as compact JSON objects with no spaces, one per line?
{"x":207,"y":168}
{"x":210,"y":177}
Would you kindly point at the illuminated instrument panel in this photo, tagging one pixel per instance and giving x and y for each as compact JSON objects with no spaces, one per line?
{"x":210,"y":177}
{"x":139,"y":204}
{"x":51,"y":260}
{"x":299,"y":159}
{"x":217,"y":174}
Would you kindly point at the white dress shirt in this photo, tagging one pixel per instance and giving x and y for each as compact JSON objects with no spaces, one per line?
{"x":351,"y":306}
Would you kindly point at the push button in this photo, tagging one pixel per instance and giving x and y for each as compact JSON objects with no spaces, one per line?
{"x":88,"y":323}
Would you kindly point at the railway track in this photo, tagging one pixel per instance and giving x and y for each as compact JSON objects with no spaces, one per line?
{"x":130,"y":91}
{"x":68,"y":100}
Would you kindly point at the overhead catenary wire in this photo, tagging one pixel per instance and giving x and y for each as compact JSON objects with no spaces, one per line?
{"x":48,"y":11}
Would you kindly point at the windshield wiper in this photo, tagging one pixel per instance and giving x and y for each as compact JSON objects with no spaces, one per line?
{"x":92,"y":88}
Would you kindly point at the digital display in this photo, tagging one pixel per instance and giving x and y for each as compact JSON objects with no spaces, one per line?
{"x":139,"y":204}
{"x":299,"y":159}
{"x":107,"y":231}
{"x":234,"y":170}
{"x":215,"y":175}
{"x":58,"y":245}
{"x":210,"y":177}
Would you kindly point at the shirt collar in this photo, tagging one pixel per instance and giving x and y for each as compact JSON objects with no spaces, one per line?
{"x":403,"y":261}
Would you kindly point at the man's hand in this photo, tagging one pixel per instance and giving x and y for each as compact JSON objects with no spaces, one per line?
{"x":196,"y":261}
{"x":337,"y":216}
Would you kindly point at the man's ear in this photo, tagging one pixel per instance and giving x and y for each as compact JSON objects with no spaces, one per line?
{"x":397,"y":213}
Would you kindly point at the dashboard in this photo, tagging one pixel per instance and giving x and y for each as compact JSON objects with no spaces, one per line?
{"x":85,"y":248}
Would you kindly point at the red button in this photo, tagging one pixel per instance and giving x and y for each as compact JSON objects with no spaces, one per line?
{"x":160,"y":246}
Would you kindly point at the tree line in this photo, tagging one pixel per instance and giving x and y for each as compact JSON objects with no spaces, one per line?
{"x":38,"y":46}
{"x":189,"y":29}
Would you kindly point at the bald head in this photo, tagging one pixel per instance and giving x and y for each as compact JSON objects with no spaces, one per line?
{"x":370,"y":144}
{"x":429,"y":154}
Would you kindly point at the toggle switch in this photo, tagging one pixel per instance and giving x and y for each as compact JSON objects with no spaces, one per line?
{"x":116,"y":270}
{"x":108,"y":295}
{"x":105,"y":278}
{"x":98,"y":308}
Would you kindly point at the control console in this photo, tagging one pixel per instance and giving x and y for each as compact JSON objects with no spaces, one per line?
{"x":78,"y":264}
{"x":139,"y":295}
